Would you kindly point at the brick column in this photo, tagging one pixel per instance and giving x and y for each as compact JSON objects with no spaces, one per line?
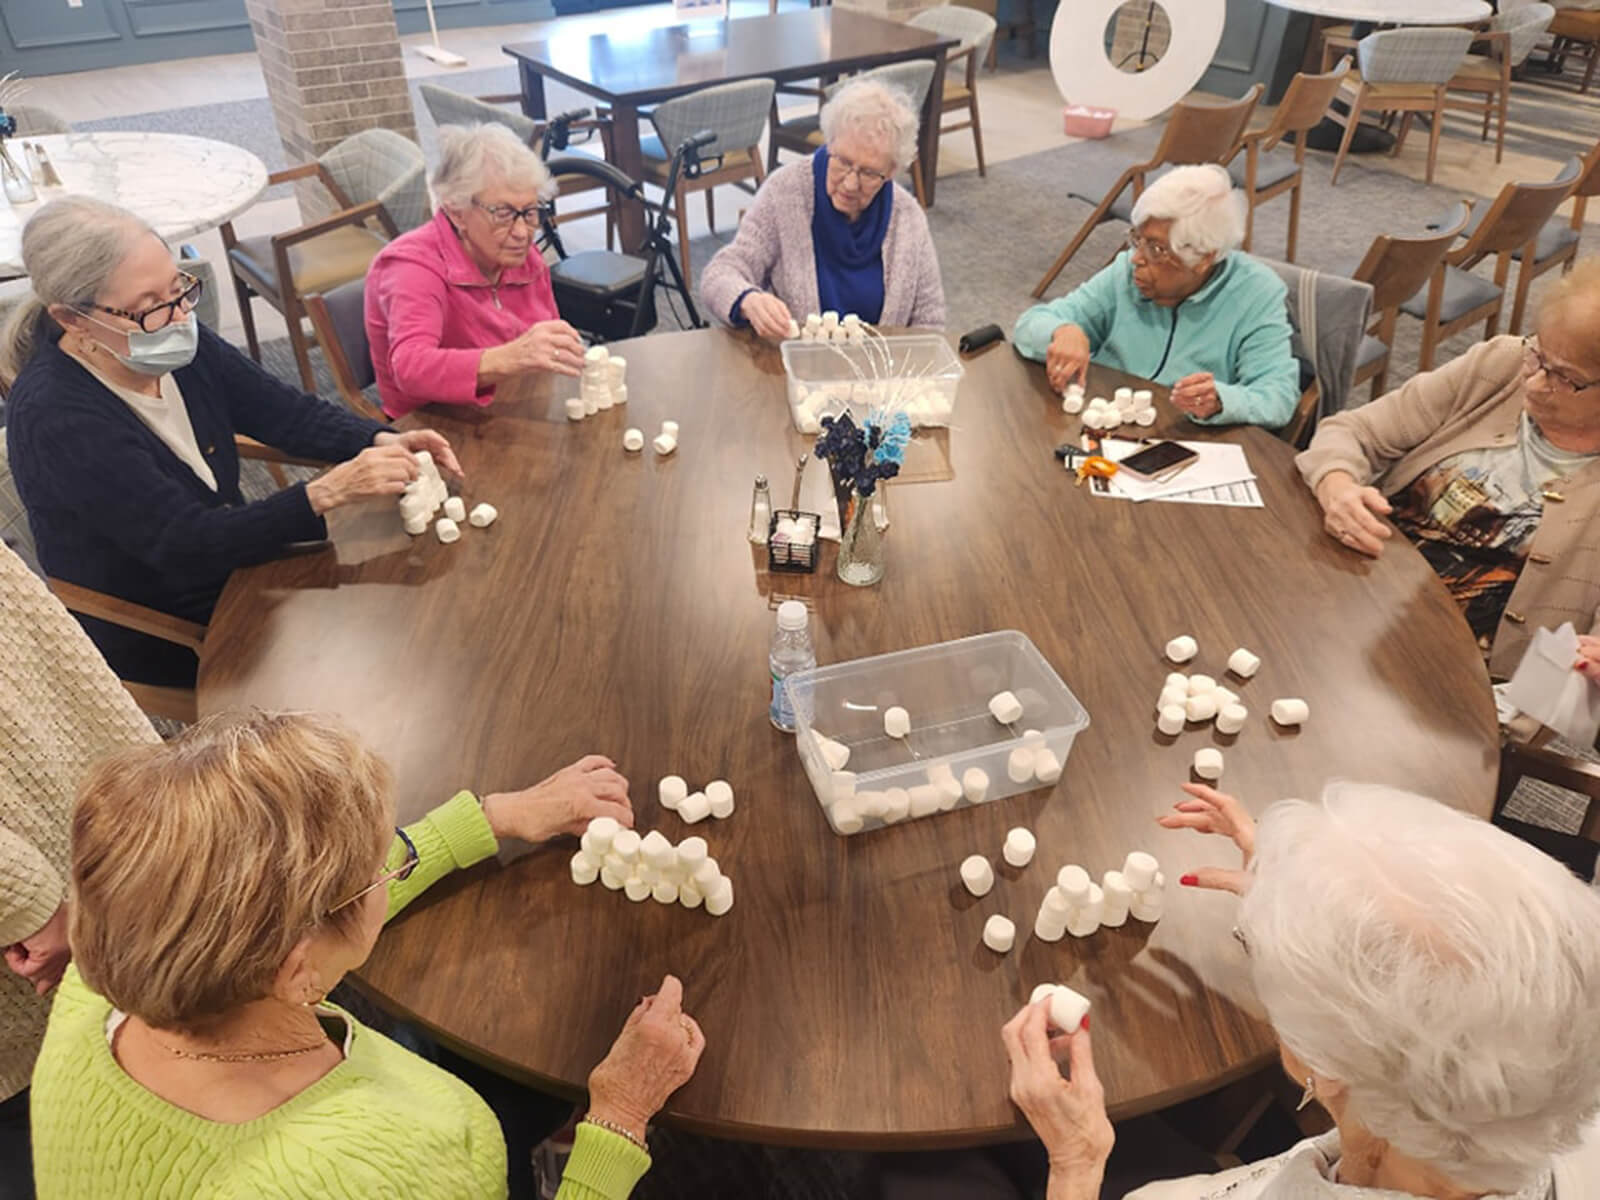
{"x":333,"y":68}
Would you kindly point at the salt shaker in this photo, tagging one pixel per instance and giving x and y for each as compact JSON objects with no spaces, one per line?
{"x":760,"y":511}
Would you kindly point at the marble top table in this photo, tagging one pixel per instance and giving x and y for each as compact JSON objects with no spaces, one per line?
{"x":182,"y":185}
{"x":1394,"y":12}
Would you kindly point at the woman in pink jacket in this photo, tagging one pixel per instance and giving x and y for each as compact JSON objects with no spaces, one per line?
{"x":459,"y":304}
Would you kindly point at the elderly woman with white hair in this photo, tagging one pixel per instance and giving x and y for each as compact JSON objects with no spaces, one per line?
{"x":835,"y":232}
{"x":1431,"y":981}
{"x":1179,"y":307}
{"x":463,"y":303}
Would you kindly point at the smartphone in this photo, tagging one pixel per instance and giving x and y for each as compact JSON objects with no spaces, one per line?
{"x":1158,"y":461}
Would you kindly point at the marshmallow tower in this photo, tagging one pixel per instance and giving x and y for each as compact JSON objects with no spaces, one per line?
{"x":1051,"y":923}
{"x":1072,"y":400}
{"x":1117,"y":897}
{"x":651,"y":867}
{"x":1146,"y":885}
{"x":424,"y":495}
{"x":602,"y":385}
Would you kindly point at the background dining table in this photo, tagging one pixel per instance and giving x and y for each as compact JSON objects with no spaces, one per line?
{"x":625,"y":72}
{"x":617,"y":606}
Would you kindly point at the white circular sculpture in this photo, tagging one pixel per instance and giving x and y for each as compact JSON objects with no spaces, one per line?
{"x":1086,"y":75}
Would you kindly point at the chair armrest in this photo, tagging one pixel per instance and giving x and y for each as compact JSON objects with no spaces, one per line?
{"x":501,"y":98}
{"x":289,"y":174}
{"x":358,"y":215}
{"x":248,"y":447}
{"x":128,"y":615}
{"x":1519,"y":760}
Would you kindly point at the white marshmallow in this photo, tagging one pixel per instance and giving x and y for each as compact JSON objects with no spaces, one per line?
{"x":636,"y":889}
{"x":1243,"y":663}
{"x":670,"y":428}
{"x":845,"y":817}
{"x":1208,"y":763}
{"x":1139,"y":870}
{"x":1033,"y":739}
{"x":977,"y":875}
{"x":694,"y":808}
{"x":794,"y":328}
{"x":688,"y":895}
{"x":1046,"y":766}
{"x":1171,"y":720}
{"x":619,"y":394}
{"x":692,"y":852}
{"x":943,"y":778}
{"x":1231,"y":718}
{"x":612,"y":879}
{"x":1225,"y":697}
{"x":633,"y":440}
{"x":835,"y":754}
{"x":872,"y":805}
{"x":705,"y":876}
{"x":1149,"y":904}
{"x":1199,"y":685}
{"x":925,"y":800}
{"x":1005,"y":708}
{"x":1290,"y":711}
{"x":1117,"y":896}
{"x":1067,"y":1009}
{"x":418,"y":524}
{"x":1143,"y":397}
{"x":830,"y":319}
{"x":842,"y":785}
{"x":1019,"y":847}
{"x":1072,"y":402}
{"x":1200,"y":708}
{"x":595,"y":356}
{"x":618,"y":367}
{"x":414,"y":505}
{"x":604,"y":830}
{"x":596,"y":848}
{"x":456,"y":509}
{"x":1048,"y":928}
{"x":896,"y":722}
{"x":1177,"y":680}
{"x":1122,"y":397}
{"x":999,"y":934}
{"x":1182,"y":649}
{"x":1019,"y":764}
{"x":720,"y":793}
{"x":720,"y":900}
{"x":584,"y":870}
{"x":1085,"y":919}
{"x":482,"y":515}
{"x":665,"y":444}
{"x":625,"y":845}
{"x":896,"y":805}
{"x":975,"y":785}
{"x":1172,"y":695}
{"x":665,"y":892}
{"x":575,"y":408}
{"x":446,"y":530}
{"x":655,"y":850}
{"x":1042,"y":992}
{"x":1074,"y":883}
{"x":1145,"y":417}
{"x":672,"y":791}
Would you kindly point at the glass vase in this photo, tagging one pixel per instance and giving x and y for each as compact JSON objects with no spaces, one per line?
{"x":861,"y":545}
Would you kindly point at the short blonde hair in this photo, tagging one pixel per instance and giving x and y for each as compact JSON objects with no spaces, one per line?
{"x":474,"y":157}
{"x":1573,"y":303}
{"x":197,"y":864}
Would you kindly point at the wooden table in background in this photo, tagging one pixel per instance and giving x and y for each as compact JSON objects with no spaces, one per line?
{"x":628,"y":72}
{"x":617,"y":607}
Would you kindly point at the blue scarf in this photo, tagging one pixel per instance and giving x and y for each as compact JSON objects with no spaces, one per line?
{"x":849,"y":253}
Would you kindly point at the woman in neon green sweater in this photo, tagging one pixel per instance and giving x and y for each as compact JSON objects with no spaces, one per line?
{"x":222,"y":884}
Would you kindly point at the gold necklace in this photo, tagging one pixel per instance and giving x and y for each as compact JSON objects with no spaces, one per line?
{"x":260,"y":1056}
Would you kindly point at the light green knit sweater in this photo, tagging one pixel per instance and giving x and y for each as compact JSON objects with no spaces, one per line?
{"x":384,"y":1122}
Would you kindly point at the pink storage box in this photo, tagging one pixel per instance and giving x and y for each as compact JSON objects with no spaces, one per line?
{"x":1084,"y":121}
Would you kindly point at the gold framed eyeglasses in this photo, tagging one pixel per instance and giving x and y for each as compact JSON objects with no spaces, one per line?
{"x":1531,"y":348}
{"x":1154,"y":252}
{"x":159,"y":316}
{"x":843,"y":168}
{"x":403,"y":871}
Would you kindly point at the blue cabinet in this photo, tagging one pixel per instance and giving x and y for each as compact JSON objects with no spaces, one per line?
{"x":1261,"y":43}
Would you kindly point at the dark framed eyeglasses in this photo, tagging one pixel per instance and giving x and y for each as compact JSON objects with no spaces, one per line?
{"x":503,"y":216}
{"x":160,"y":316}
{"x":1530,"y":347}
{"x":403,"y":871}
{"x":866,"y":176}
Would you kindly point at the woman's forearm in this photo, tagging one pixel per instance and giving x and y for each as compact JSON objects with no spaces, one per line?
{"x":1067,"y":1183}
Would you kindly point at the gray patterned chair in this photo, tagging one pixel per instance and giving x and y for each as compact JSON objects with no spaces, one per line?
{"x":975,"y":31}
{"x":373,"y":176}
{"x":1485,"y":78}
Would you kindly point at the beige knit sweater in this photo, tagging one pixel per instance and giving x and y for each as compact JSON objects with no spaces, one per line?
{"x":60,"y":708}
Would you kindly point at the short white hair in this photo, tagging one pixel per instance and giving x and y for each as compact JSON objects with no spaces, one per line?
{"x":475,"y":157}
{"x":881,"y":114}
{"x":1206,"y":211}
{"x":1442,"y":970}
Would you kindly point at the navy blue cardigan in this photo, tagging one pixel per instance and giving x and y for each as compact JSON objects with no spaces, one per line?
{"x":112,"y":508}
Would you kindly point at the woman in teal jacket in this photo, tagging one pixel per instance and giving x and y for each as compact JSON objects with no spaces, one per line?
{"x":1179,"y":307}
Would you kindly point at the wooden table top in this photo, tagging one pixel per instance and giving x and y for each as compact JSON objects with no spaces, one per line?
{"x":616,"y":606}
{"x":654,"y":64}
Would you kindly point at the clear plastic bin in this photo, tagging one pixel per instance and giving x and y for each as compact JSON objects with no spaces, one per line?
{"x":946,"y":690}
{"x":920,"y":371}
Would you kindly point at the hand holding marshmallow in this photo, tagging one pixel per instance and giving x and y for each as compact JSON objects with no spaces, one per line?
{"x":565,"y":803}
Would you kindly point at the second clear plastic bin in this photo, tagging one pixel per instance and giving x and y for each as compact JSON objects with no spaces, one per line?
{"x":828,"y":378}
{"x":946,"y":689}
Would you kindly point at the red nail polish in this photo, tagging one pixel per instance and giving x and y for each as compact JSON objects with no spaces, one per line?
{"x":1086,"y":1020}
{"x":1189,"y":880}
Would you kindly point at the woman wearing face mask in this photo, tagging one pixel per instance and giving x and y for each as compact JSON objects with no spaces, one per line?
{"x":121,"y":416}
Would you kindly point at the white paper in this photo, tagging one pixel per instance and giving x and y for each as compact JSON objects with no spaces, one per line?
{"x":1218,"y":464}
{"x":1549,"y":690}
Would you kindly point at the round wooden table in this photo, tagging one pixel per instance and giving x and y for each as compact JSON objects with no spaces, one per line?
{"x":617,"y":607}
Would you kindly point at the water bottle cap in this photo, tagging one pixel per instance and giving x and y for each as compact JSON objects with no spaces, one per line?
{"x":793,"y":615}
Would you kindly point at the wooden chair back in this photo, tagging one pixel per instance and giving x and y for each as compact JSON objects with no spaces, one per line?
{"x":1515,"y":218}
{"x":1205,"y":133}
{"x":1303,"y":105}
{"x":1399,"y":267}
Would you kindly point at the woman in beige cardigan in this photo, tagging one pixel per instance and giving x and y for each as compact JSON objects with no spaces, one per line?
{"x":60,"y":709}
{"x":1491,"y":466}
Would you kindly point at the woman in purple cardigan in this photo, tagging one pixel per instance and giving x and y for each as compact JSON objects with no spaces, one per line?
{"x":834,"y":231}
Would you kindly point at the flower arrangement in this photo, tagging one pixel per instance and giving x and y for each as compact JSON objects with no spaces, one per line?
{"x":860,"y":457}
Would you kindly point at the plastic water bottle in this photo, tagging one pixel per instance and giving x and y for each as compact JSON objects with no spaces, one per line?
{"x":792,"y":651}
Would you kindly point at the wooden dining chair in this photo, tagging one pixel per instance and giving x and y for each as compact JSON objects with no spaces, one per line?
{"x":1401,"y":71}
{"x":1486,"y":76}
{"x":1196,"y":132}
{"x":1576,"y":30}
{"x":375,"y":176}
{"x":1265,"y":171}
{"x":1397,"y":267}
{"x":974,"y":32}
{"x":1456,"y":298}
{"x":338,"y":319}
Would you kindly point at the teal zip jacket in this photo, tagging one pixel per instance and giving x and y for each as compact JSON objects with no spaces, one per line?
{"x":1235,"y":326}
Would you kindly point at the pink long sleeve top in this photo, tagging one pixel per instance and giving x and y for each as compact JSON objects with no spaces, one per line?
{"x":431,"y":314}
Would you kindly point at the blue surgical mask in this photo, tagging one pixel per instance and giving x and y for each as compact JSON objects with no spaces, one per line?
{"x":157,"y":353}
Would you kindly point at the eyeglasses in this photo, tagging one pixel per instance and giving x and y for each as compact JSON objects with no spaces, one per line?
{"x":844,"y":168}
{"x":503,"y":216}
{"x":1530,"y":347}
{"x":403,"y":871}
{"x":1154,"y":252}
{"x":160,"y":316}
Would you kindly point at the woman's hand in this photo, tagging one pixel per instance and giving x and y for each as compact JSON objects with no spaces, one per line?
{"x":1067,"y":359}
{"x":1350,"y":513}
{"x":377,"y":471}
{"x":1197,"y":395}
{"x":767,"y":315}
{"x":548,"y":346}
{"x":653,"y":1056}
{"x":1588,"y":664}
{"x":430,"y":440}
{"x":1068,"y":1113}
{"x":564,"y":803}
{"x":42,"y":959}
{"x":1211,"y":811}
